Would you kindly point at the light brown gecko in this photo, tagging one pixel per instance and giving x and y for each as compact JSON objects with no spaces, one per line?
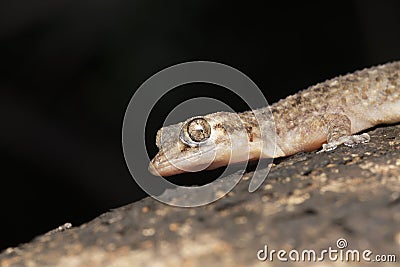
{"x":327,"y":114}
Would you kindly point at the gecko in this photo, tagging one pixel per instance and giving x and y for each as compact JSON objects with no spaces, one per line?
{"x":327,"y":114}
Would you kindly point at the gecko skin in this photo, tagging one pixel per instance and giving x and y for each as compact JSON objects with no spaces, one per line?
{"x":327,"y":114}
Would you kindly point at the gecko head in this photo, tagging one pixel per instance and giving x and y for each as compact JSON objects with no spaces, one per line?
{"x":202,"y":142}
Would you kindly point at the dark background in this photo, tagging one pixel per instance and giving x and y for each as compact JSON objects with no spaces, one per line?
{"x":69,"y":68}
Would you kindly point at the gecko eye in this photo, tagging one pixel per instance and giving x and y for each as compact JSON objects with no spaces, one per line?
{"x":195,"y":131}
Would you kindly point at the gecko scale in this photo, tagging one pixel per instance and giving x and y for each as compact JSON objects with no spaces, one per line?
{"x":327,"y":114}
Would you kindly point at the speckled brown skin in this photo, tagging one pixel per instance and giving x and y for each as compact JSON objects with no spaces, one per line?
{"x":329,"y":112}
{"x":338,"y":107}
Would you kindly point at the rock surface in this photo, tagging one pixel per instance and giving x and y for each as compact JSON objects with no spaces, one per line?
{"x":308,"y":202}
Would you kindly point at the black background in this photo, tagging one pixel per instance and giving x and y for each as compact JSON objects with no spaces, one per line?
{"x":69,"y":68}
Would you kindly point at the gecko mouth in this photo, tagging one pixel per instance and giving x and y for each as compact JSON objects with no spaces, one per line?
{"x":161,"y":165}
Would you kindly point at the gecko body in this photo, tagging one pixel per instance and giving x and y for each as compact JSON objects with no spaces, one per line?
{"x":327,"y":114}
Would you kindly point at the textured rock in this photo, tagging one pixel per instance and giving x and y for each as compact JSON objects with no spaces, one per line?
{"x":308,"y":202}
